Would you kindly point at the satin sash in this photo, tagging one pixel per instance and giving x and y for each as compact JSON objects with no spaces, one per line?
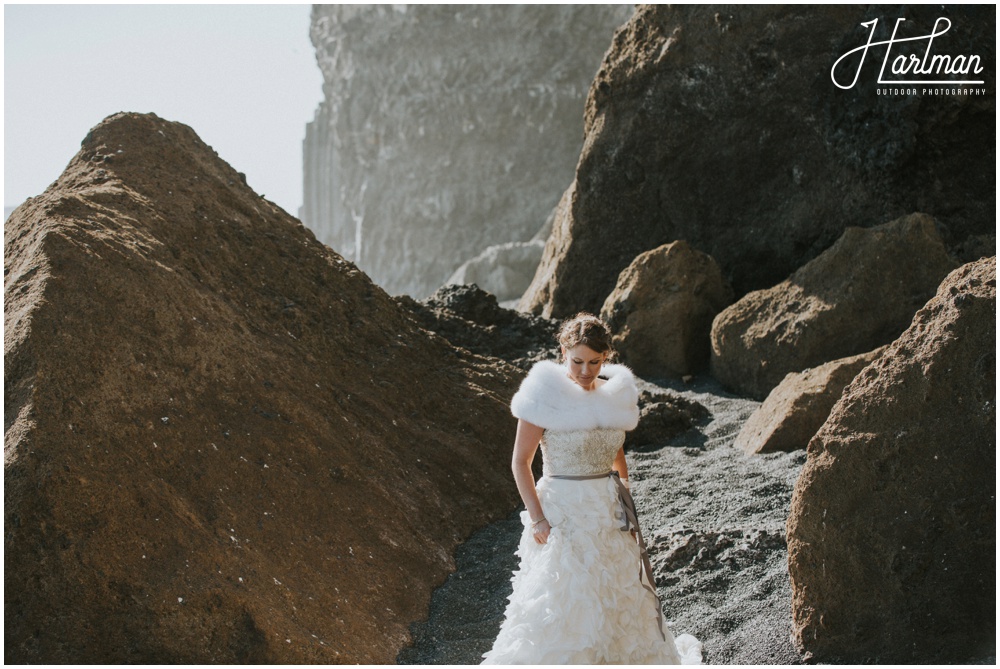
{"x":631,"y":522}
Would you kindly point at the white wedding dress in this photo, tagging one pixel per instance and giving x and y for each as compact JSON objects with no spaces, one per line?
{"x":578,"y":599}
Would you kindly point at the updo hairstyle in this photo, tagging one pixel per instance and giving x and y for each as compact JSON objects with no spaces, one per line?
{"x":586,"y":329}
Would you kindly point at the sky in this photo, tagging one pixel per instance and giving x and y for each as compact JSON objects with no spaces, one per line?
{"x":244,"y":77}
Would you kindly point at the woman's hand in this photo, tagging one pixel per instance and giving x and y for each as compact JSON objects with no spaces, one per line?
{"x":541,"y":532}
{"x":525,"y":446}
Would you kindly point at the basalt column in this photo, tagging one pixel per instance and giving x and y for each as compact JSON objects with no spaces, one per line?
{"x":445,"y":129}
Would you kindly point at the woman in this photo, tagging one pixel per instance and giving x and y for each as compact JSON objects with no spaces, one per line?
{"x":577,"y":596}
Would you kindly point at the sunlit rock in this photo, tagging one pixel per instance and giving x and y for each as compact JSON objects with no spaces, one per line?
{"x":661,"y":310}
{"x":798,"y":406}
{"x":721,"y":126}
{"x":859,"y":294}
{"x":892,"y":529}
{"x":223,"y":443}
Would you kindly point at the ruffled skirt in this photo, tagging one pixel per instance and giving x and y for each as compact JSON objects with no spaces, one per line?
{"x":578,"y":599}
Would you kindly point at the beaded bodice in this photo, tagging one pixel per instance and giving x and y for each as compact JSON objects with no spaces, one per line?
{"x":580,"y":452}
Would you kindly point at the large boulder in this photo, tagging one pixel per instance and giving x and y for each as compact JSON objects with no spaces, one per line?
{"x":799,"y":405}
{"x":721,"y":126}
{"x":503,"y":269}
{"x":661,"y":310}
{"x":859,"y":294}
{"x":445,"y":129}
{"x":223,"y":442}
{"x":892,"y":530}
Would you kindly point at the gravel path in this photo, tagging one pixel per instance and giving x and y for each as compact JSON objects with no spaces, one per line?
{"x":714,"y":520}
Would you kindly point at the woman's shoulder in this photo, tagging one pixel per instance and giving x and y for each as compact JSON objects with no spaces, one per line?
{"x":540,"y":390}
{"x":614,"y":370}
{"x":550,"y":399}
{"x":547,"y":376}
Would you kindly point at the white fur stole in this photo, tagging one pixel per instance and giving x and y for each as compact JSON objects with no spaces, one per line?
{"x":551,"y":400}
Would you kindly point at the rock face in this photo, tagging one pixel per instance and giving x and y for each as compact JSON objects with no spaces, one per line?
{"x":722,"y":127}
{"x":801,"y":403}
{"x":223,"y":442}
{"x":445,"y":129}
{"x":859,"y":294}
{"x":661,"y":310}
{"x":892,"y":530}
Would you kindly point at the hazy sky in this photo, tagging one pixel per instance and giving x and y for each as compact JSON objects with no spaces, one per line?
{"x":244,"y":77}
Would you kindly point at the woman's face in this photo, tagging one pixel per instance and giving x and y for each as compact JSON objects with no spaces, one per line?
{"x":583,"y":364}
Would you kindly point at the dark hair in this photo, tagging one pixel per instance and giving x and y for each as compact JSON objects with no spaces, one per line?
{"x":586,"y":329}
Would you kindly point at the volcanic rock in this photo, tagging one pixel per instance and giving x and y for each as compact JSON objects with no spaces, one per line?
{"x":859,"y":294}
{"x":721,"y":126}
{"x":445,"y":129}
{"x":799,"y":405}
{"x":663,"y":416}
{"x":892,"y":530}
{"x":661,"y":310}
{"x":223,"y":442}
{"x":976,"y":247}
{"x":471,"y":318}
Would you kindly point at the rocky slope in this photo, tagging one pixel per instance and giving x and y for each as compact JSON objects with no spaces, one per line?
{"x":721,"y":126}
{"x":223,"y":442}
{"x":445,"y":129}
{"x":471,"y":318}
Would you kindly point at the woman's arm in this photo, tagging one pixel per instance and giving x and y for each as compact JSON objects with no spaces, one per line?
{"x":525,"y":445}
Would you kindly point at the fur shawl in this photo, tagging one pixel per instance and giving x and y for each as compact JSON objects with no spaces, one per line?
{"x":550,"y":399}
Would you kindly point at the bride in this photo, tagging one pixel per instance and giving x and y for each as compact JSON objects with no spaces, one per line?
{"x":584,"y":592}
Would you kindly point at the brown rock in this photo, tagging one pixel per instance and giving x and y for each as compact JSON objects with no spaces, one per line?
{"x":796,"y":409}
{"x":223,"y":443}
{"x":860,"y":294}
{"x":976,"y":247}
{"x":892,"y":530}
{"x":721,"y":126}
{"x":661,"y":310}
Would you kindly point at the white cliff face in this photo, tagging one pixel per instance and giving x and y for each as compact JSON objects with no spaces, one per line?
{"x":445,"y":129}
